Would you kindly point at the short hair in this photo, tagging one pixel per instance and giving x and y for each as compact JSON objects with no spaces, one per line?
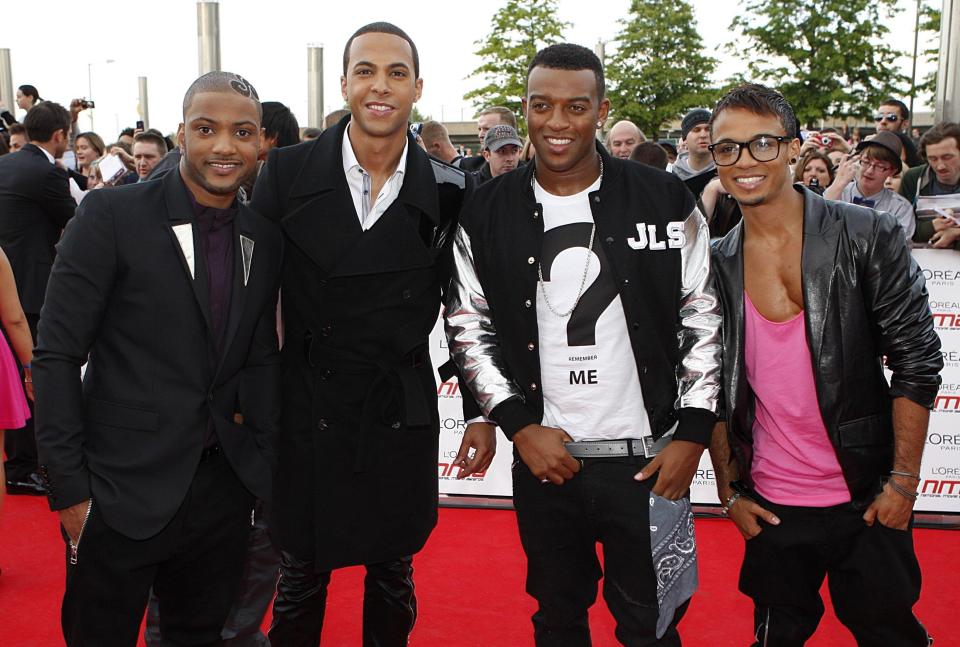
{"x":311,"y":133}
{"x":119,"y":144}
{"x":939,"y":132}
{"x":567,"y":56}
{"x":152,"y":137}
{"x":880,"y":153}
{"x":126,"y":132}
{"x":650,"y":154}
{"x":280,"y":124}
{"x":760,"y":100}
{"x":30,"y":91}
{"x":904,"y":111}
{"x":806,"y":159}
{"x":44,"y":119}
{"x":17,"y":129}
{"x":222,"y":82}
{"x":334,"y":118}
{"x":507,"y":116}
{"x":434,"y":132}
{"x":95,"y":140}
{"x":382,"y":28}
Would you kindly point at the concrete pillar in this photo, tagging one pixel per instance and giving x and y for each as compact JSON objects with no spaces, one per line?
{"x":144,"y":101}
{"x":7,"y":97}
{"x":947,"y":103}
{"x":208,"y":36}
{"x":315,"y":86}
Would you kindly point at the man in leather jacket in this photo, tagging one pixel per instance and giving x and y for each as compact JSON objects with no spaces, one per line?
{"x":817,"y":458}
{"x":609,"y":392}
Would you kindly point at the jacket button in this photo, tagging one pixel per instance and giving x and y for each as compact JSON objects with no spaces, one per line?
{"x":609,"y":240}
{"x":626,"y":281}
{"x":533,"y":386}
{"x":531,"y":346}
{"x":396,"y":425}
{"x":322,"y":424}
{"x":596,"y":198}
{"x":327,"y":330}
{"x":327,"y":373}
{"x":531,"y":260}
{"x":636,"y":326}
{"x":536,"y":214}
{"x":528,"y":303}
{"x":643,"y":369}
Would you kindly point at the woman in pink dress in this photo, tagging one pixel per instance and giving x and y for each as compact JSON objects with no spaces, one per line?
{"x":13,"y":405}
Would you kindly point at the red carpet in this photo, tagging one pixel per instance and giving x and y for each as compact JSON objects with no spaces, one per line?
{"x":470,"y":586}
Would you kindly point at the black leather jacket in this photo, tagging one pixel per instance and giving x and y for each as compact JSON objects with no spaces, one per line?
{"x":864,"y":299}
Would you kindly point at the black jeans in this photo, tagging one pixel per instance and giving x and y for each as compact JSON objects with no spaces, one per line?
{"x":872,"y":572}
{"x":194,"y":565}
{"x":560,"y":526}
{"x":261,"y":569}
{"x":389,"y":603}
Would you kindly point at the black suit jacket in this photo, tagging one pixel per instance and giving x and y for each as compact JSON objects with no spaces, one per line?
{"x":121,"y":291}
{"x":35,"y":204}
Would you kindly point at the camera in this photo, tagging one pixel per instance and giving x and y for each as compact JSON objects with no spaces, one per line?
{"x":87,"y":104}
{"x":826,"y":141}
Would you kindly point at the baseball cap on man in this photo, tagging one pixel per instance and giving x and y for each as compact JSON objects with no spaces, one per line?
{"x":883,"y":138}
{"x":500,"y":136}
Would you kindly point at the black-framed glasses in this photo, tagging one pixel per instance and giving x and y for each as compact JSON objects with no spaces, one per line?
{"x":892,"y":117}
{"x":763,"y":148}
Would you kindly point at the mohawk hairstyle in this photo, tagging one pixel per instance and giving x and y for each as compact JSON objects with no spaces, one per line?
{"x":567,"y":56}
{"x":221,"y":82}
{"x":760,"y":100}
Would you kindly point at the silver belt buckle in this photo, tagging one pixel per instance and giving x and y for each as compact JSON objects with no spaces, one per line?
{"x":651,"y":448}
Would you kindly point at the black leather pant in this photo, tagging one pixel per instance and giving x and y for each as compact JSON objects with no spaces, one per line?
{"x":389,"y":604}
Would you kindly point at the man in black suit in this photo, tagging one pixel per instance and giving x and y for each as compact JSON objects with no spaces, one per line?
{"x":154,"y":460}
{"x":369,"y":220}
{"x":35,"y":204}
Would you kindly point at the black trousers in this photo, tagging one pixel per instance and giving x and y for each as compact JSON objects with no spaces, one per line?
{"x":261,"y":569}
{"x":389,"y":603}
{"x":20,"y":445}
{"x":872,"y":572}
{"x":560,"y":527}
{"x":194,"y":566}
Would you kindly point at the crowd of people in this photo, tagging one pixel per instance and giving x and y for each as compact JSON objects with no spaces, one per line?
{"x":249,"y":307}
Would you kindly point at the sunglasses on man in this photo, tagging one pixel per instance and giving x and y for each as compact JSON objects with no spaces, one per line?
{"x":890,"y":116}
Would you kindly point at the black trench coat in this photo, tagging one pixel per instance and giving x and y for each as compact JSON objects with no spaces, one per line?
{"x":357,"y":480}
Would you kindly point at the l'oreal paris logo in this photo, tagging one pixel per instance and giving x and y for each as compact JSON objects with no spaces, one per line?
{"x":647,"y":237}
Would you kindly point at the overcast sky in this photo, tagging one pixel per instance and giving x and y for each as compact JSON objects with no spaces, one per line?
{"x":266,"y":41}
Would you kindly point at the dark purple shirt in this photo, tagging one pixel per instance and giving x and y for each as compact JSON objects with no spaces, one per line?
{"x":216,"y":242}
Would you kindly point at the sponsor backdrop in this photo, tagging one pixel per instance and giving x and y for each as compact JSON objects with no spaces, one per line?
{"x":940,"y":471}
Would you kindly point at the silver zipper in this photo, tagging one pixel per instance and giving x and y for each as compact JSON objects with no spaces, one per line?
{"x":75,"y":546}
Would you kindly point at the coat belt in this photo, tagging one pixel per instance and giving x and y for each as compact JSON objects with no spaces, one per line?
{"x":393,"y":382}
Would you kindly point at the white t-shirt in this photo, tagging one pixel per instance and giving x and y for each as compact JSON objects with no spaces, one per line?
{"x":587,"y":368}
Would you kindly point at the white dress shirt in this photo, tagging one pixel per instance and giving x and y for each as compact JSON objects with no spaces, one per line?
{"x":361,"y":183}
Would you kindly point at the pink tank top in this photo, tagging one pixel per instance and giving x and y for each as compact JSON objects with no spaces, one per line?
{"x":793,"y":460}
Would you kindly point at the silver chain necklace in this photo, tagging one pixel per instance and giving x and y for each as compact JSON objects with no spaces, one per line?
{"x":586,"y":268}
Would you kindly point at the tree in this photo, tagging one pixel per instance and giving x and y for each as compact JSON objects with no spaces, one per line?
{"x":929,"y":32}
{"x":828,"y":57}
{"x":658,"y":70}
{"x":517,"y":32}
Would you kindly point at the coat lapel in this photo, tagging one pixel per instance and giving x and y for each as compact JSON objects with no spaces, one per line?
{"x":821,"y":235}
{"x":244,"y":243}
{"x":729,"y":261}
{"x":183,"y":235}
{"x":323,"y":222}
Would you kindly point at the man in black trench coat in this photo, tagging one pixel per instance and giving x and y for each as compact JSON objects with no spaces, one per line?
{"x":369,"y":220}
